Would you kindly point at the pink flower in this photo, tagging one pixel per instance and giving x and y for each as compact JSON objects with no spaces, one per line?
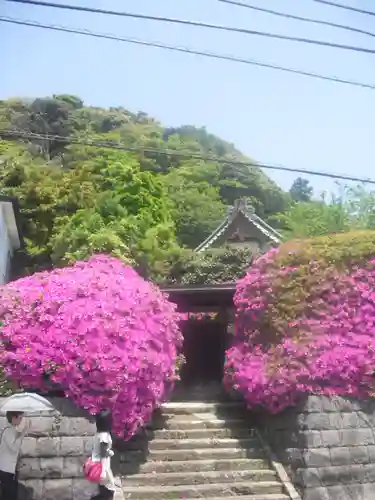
{"x":97,"y":331}
{"x":336,"y":323}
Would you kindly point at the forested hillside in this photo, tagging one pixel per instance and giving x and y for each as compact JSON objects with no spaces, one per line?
{"x":149,"y":208}
{"x":140,"y":206}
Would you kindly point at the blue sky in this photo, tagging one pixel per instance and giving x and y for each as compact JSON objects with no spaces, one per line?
{"x":271,"y":116}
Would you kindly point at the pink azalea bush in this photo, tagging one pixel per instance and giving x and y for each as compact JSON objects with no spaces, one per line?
{"x":97,"y":331}
{"x":305,"y":323}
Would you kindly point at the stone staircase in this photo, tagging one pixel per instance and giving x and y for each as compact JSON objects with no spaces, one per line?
{"x":198,"y":450}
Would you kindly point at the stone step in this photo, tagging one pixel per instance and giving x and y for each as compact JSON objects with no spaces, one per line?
{"x":195,"y":444}
{"x":219,"y":490}
{"x":183,"y":408}
{"x":207,"y":416}
{"x":191,"y":454}
{"x":226,"y":432}
{"x":159,"y":423}
{"x":197,"y":478}
{"x":195,"y":465}
{"x":271,"y":496}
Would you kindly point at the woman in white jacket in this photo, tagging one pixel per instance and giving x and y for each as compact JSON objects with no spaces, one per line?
{"x":102,"y":452}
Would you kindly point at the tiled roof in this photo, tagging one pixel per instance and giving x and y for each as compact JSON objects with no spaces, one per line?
{"x":265,"y":228}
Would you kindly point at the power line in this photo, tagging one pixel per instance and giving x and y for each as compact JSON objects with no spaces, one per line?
{"x":299,"y":18}
{"x":245,"y":31}
{"x":346,"y":7}
{"x":180,"y":154}
{"x":186,"y":51}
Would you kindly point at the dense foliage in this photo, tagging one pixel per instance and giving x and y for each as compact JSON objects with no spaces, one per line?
{"x":53,"y":321}
{"x":214,"y":266}
{"x":77,"y":200}
{"x":352,"y":208}
{"x":141,"y":206}
{"x":304,"y":322}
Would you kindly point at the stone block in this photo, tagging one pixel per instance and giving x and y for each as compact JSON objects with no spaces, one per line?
{"x":368,"y":491}
{"x":76,"y":426}
{"x":338,"y":492}
{"x":330,"y":438}
{"x":345,"y":420}
{"x":61,"y":489}
{"x":366,"y":436}
{"x":32,"y":489}
{"x":371,"y":453}
{"x":87,"y":445}
{"x":52,"y":468}
{"x":356,"y":492}
{"x":29,"y":468}
{"x":359,"y":455}
{"x":365,"y":420}
{"x":347,"y":474}
{"x":340,"y":456}
{"x":329,"y":475}
{"x":310,"y":439}
{"x":313,"y":404}
{"x":319,"y":493}
{"x":350,"y":420}
{"x":29,"y":448}
{"x":317,"y":421}
{"x":335,"y":420}
{"x":317,"y":457}
{"x":356,"y":437}
{"x":73,"y":467}
{"x":72,"y":446}
{"x":83,"y":490}
{"x":41,"y":426}
{"x":328,"y":405}
{"x":48,"y":447}
{"x":308,"y":478}
{"x":342,"y":405}
{"x":358,"y":473}
{"x":369,"y":471}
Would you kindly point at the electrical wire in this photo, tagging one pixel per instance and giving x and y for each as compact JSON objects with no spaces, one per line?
{"x":244,"y":31}
{"x":186,"y":50}
{"x":299,"y":18}
{"x":346,"y":7}
{"x":179,"y":154}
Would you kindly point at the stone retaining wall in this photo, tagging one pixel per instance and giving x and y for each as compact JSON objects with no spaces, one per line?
{"x":328,"y":447}
{"x":53,"y":453}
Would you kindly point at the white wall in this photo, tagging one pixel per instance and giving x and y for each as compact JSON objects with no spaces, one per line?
{"x":5,"y":249}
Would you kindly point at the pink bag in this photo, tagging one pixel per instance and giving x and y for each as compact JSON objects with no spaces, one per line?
{"x":92,"y":471}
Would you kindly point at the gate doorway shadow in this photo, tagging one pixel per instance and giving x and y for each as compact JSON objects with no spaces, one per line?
{"x":204,"y":350}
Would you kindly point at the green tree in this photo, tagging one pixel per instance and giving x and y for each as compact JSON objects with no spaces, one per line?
{"x":301,"y":190}
{"x":140,"y":206}
{"x":360,"y":204}
{"x":197,"y":207}
{"x":316,"y":218}
{"x":85,"y":234}
{"x":129,"y":210}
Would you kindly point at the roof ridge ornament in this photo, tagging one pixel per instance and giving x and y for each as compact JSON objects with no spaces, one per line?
{"x":243,"y":205}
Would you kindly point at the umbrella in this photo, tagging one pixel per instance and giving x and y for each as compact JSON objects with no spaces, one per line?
{"x":26,"y":402}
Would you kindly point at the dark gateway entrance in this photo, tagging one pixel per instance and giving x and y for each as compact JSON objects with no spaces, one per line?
{"x":205,"y":340}
{"x":204,"y":347}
